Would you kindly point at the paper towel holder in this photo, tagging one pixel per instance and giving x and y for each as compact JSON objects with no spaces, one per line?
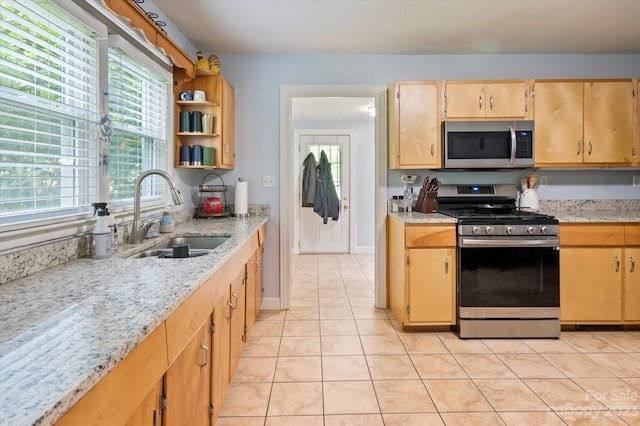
{"x":241,"y":210}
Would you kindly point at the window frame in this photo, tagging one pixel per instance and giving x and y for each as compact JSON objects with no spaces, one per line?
{"x":20,"y":235}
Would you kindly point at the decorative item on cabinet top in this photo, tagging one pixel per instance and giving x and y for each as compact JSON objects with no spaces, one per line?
{"x":211,"y":64}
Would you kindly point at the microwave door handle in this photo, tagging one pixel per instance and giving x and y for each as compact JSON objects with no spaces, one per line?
{"x":512,"y":159}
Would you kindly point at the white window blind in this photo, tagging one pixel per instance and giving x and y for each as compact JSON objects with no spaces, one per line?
{"x":138,"y":108}
{"x":48,"y":113}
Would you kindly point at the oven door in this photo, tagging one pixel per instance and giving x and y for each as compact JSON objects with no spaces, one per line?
{"x":515,"y":277}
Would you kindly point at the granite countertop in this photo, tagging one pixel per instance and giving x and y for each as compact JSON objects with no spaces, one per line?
{"x":65,"y":328}
{"x":570,"y":214}
{"x":417,"y":217}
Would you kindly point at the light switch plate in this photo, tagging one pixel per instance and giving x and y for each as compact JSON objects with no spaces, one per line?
{"x":543,"y":181}
{"x":268,"y":181}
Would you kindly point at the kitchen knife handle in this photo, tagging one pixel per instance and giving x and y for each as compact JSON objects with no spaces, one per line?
{"x":633,"y":264}
{"x":579,"y":147}
{"x":617,"y":263}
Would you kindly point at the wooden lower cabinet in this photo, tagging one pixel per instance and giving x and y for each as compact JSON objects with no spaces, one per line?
{"x":237,"y":324}
{"x":150,"y":411}
{"x":421,"y":273}
{"x":220,"y":370}
{"x":591,"y":285}
{"x":631,"y":265}
{"x":432,"y":286}
{"x":599,"y":281}
{"x":187,"y":382}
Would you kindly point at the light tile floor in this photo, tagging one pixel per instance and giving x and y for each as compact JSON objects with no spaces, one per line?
{"x":334,"y":359}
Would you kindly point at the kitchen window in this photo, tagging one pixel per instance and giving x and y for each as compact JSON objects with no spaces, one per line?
{"x":55,"y":73}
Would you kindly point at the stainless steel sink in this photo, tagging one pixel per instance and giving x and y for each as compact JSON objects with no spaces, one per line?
{"x":199,"y":246}
{"x":196,"y":243}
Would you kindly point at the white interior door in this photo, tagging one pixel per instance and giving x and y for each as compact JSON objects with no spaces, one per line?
{"x":316,"y":236}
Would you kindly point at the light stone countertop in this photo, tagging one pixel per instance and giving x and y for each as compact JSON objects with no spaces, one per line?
{"x":417,"y":217}
{"x":65,"y":328}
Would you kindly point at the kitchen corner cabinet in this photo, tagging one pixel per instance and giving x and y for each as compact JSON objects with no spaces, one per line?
{"x":421,"y":268}
{"x":598,"y":280}
{"x":414,"y":125}
{"x":580,"y":123}
{"x":484,"y":99}
{"x":220,"y":104}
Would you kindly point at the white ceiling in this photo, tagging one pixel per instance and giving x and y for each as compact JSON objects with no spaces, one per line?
{"x":403,"y":27}
{"x":408,"y":26}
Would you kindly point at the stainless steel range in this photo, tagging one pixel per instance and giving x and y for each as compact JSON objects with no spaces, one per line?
{"x":508,"y":282}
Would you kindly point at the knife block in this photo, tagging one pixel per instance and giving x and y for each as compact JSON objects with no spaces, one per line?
{"x":427,"y":203}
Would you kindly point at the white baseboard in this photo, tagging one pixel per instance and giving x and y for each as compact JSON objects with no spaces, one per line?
{"x":270,"y":304}
{"x":364,"y":250}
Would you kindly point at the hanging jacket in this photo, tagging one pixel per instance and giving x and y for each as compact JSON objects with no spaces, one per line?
{"x":309,"y":180}
{"x":326,"y":202}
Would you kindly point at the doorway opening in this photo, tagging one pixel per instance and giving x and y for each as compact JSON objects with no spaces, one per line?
{"x":289,"y":174}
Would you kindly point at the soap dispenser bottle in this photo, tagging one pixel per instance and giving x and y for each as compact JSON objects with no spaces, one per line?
{"x":102,"y":237}
{"x":166,"y":224}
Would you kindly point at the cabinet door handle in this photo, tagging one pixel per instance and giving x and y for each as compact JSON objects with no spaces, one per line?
{"x":446,"y":265}
{"x":491,"y":102}
{"x":480,"y":102}
{"x":579,"y":147}
{"x":617,"y":263}
{"x":206,"y":354}
{"x":433,"y":149}
{"x":236,"y":297}
{"x":590,"y":147}
{"x":633,"y":264}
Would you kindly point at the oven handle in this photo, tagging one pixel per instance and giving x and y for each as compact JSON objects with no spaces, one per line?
{"x":508,"y":242}
{"x":512,"y":160}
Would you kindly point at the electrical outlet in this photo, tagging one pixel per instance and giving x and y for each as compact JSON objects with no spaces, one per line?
{"x":268,"y":181}
{"x":636,"y":180}
{"x":543,"y":181}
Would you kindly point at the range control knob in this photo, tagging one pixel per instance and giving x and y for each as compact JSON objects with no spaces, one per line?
{"x":509,"y":230}
{"x":531,"y":230}
{"x":489,"y":230}
{"x":543,"y":230}
{"x":475,"y":230}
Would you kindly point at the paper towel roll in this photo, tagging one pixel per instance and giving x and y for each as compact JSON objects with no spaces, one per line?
{"x":241,"y":206}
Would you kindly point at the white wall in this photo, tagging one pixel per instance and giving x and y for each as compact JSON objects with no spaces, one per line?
{"x":257,"y":80}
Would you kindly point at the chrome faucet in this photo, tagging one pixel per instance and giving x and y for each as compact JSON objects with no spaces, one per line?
{"x":139,"y":229}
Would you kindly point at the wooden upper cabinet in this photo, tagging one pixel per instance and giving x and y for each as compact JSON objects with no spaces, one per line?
{"x":584,"y":122}
{"x":414,"y":125}
{"x":636,"y":147}
{"x":608,"y":122}
{"x":558,"y":122}
{"x":509,"y":99}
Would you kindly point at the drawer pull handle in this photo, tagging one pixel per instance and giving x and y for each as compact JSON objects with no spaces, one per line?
{"x":491,"y":102}
{"x":206,"y":354}
{"x":617,"y":263}
{"x":446,"y":265}
{"x":579,"y":147}
{"x":480,"y":102}
{"x":590,"y":147}
{"x":633,"y":264}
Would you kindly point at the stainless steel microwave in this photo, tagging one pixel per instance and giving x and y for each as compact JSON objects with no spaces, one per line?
{"x":488,"y":144}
